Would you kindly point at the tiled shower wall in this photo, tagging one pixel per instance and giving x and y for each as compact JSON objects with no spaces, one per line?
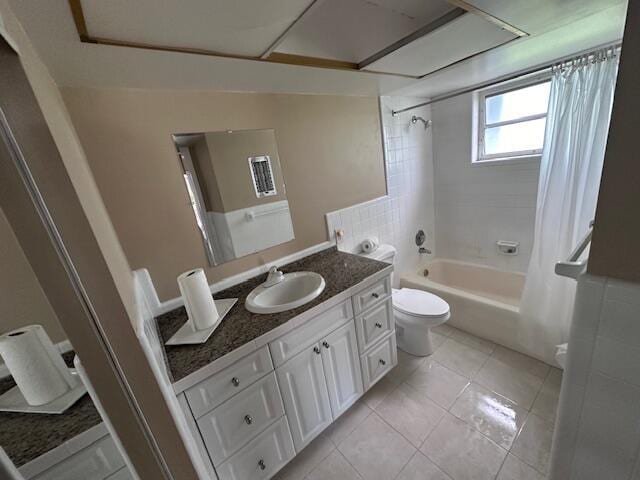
{"x":598,"y":429}
{"x":477,"y":205}
{"x":409,"y":203}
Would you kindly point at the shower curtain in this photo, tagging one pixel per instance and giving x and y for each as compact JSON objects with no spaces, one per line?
{"x":580,"y":105}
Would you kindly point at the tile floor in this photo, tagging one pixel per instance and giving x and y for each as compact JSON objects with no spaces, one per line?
{"x":471,"y":411}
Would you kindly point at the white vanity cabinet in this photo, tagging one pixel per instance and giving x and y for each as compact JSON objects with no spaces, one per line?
{"x":342,"y":368}
{"x":98,"y":461}
{"x":254,"y":415}
{"x":305,"y":395}
{"x":320,"y":383}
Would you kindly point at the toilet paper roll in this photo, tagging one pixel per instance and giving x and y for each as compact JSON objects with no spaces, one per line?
{"x":370,"y":244}
{"x":35,"y":365}
{"x":198,"y":300}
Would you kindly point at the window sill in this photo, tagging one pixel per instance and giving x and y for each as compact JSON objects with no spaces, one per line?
{"x":520,"y":160}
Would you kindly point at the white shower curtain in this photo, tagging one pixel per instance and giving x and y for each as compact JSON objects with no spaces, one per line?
{"x":580,"y":105}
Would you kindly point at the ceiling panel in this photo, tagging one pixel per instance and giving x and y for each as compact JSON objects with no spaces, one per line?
{"x":237,"y":27}
{"x":461,"y":38}
{"x":542,"y":15}
{"x":353,"y":30}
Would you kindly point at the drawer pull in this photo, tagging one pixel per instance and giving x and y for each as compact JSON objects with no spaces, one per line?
{"x":325,"y":344}
{"x":378,"y":325}
{"x":317,"y":350}
{"x":262,"y":465}
{"x":235,"y":382}
{"x":375,"y":295}
{"x":248,"y":419}
{"x":382,"y":362}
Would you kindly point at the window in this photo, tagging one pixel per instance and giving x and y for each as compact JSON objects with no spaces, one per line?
{"x":512,"y":120}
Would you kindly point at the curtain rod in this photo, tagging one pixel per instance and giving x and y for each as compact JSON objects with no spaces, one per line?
{"x":540,"y":68}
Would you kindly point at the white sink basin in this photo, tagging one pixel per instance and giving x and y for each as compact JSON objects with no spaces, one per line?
{"x":294,"y":290}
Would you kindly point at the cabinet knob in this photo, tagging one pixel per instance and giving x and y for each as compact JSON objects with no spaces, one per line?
{"x":262,"y":465}
{"x":248,"y":419}
{"x":235,"y":381}
{"x":325,"y":344}
{"x":382,"y":362}
{"x":317,"y":350}
{"x":378,"y":325}
{"x":375,"y":295}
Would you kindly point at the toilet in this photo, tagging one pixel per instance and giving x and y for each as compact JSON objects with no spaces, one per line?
{"x":416,"y":312}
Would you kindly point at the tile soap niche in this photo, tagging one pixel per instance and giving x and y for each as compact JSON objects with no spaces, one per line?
{"x":506,"y":247}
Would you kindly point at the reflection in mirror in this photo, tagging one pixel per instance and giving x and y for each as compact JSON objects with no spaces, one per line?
{"x":50,"y":426}
{"x":236,"y":188}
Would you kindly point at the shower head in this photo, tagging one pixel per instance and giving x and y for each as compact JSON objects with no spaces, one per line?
{"x":415,"y":119}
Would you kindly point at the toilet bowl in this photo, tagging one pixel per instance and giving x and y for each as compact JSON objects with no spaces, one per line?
{"x":416,"y":312}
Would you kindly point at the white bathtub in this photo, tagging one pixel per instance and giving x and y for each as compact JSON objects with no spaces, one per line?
{"x":484,"y":301}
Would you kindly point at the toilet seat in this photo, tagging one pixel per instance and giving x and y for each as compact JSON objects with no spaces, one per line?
{"x":420,"y":304}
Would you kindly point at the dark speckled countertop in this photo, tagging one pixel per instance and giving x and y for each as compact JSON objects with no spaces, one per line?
{"x":26,"y":436}
{"x":340,"y":270}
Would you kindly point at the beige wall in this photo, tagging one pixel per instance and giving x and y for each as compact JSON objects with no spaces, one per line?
{"x":22,"y":301}
{"x":230,"y":154}
{"x":330,"y":150}
{"x":102,"y":243}
{"x":615,"y":251}
{"x":207,"y":181}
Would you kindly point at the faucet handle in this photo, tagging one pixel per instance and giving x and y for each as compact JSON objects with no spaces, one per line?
{"x":274,"y":276}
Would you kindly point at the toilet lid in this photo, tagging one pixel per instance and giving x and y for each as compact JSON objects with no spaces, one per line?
{"x":419,"y":303}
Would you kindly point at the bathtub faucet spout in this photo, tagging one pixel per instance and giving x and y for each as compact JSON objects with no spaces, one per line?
{"x":424,"y":250}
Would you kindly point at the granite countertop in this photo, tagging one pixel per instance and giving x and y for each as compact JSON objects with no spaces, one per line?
{"x":26,"y":436}
{"x":340,"y":270}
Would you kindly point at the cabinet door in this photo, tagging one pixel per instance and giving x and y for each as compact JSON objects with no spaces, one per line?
{"x":305,"y":396}
{"x":341,"y":364}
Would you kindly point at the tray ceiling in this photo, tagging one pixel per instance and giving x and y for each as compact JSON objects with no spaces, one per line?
{"x":353,"y":30}
{"x":458,"y":39}
{"x":237,"y":27}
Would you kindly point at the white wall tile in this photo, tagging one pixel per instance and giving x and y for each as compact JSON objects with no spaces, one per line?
{"x":477,"y":205}
{"x":409,"y":203}
{"x":598,"y":427}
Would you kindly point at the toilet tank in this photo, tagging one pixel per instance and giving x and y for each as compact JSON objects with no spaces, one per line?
{"x":384,"y":253}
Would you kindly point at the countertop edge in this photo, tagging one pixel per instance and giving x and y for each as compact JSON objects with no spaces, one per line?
{"x":221,"y":363}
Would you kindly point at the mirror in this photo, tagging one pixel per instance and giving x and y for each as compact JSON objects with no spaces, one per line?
{"x":237,"y":191}
{"x":50,"y":426}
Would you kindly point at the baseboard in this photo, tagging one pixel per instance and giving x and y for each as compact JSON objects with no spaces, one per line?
{"x":143,"y":279}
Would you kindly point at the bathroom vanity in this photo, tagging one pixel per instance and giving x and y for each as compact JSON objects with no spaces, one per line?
{"x":264,"y":386}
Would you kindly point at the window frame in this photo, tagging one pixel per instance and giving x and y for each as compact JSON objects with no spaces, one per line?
{"x":481,"y":96}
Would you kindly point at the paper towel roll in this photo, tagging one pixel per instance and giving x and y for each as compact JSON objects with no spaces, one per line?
{"x":35,"y":365}
{"x":198,"y":301}
{"x":370,"y":244}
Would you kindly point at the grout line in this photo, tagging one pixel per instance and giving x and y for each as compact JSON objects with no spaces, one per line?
{"x":352,"y":466}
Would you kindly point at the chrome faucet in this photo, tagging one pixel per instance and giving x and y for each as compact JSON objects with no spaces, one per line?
{"x":274,"y":277}
{"x":424,"y":250}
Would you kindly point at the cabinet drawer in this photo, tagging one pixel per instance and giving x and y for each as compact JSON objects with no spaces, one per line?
{"x":241,"y":418}
{"x":211,"y":392}
{"x":261,"y":458}
{"x":122,"y":474}
{"x":374,"y":324}
{"x":379,"y":360}
{"x":95,"y":462}
{"x":313,"y":330}
{"x":371,"y":295}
